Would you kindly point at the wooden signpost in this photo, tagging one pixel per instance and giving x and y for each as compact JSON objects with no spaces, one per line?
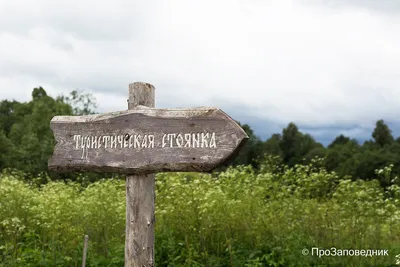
{"x":140,"y":142}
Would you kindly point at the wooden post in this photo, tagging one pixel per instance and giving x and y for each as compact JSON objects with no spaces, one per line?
{"x":85,"y":248}
{"x":139,"y":142}
{"x":140,"y":196}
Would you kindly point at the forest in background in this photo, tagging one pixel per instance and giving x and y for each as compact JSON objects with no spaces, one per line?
{"x":276,"y":199}
{"x":26,"y":142}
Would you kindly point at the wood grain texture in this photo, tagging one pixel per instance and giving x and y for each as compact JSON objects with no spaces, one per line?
{"x":140,"y":220}
{"x":141,"y":94}
{"x":85,"y":248}
{"x":140,"y":198}
{"x":139,"y":142}
{"x":150,"y":133}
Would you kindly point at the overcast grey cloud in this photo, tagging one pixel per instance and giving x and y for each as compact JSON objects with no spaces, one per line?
{"x":375,"y":6}
{"x":330,"y":66}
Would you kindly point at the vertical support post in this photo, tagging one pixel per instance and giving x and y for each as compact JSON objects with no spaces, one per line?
{"x":140,"y":196}
{"x":85,"y":248}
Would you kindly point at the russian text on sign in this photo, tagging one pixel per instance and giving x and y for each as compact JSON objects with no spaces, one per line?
{"x":145,"y":141}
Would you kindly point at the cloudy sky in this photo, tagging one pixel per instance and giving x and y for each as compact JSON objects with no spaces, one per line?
{"x":330,"y":66}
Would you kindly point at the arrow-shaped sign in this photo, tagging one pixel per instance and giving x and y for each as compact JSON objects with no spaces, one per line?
{"x":145,"y":140}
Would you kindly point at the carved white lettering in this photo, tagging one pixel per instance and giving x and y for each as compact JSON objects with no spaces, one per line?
{"x":83,"y":142}
{"x":120,"y":140}
{"x":126,"y":140}
{"x":94,"y":141}
{"x":144,"y":142}
{"x":213,"y":143}
{"x":83,"y":146}
{"x":77,"y":138}
{"x":99,"y":142}
{"x":164,"y":142}
{"x":151,"y":141}
{"x":137,"y":141}
{"x":130,"y":141}
{"x":113,"y":141}
{"x":204,"y":139}
{"x":188,"y":137}
{"x":170,"y":136}
{"x":88,"y":142}
{"x":179,"y":140}
{"x":196,"y":142}
{"x":106,"y":139}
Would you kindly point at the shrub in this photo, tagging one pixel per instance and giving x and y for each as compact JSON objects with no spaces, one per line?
{"x":236,"y":218}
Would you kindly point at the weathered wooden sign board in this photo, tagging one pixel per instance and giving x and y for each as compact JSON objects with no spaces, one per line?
{"x":139,"y":142}
{"x":145,"y":141}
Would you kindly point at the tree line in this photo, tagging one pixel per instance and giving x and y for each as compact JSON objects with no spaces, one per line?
{"x":26,"y":142}
{"x":344,"y":155}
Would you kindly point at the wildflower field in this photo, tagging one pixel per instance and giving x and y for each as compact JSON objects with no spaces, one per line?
{"x":238,"y":217}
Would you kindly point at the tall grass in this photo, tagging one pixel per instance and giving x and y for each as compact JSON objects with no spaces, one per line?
{"x":236,"y":218}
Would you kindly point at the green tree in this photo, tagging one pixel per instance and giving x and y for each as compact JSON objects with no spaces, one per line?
{"x":337,"y":156}
{"x":307,"y":143}
{"x":31,"y":135}
{"x":6,"y":148}
{"x":8,"y":114}
{"x":295,"y":145}
{"x":251,"y":152}
{"x":382,"y":134}
{"x":339,"y":140}
{"x":82,"y":104}
{"x":364,"y":164}
{"x":272,"y":145}
{"x":288,"y":144}
{"x":26,"y":140}
{"x":317,"y":152}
